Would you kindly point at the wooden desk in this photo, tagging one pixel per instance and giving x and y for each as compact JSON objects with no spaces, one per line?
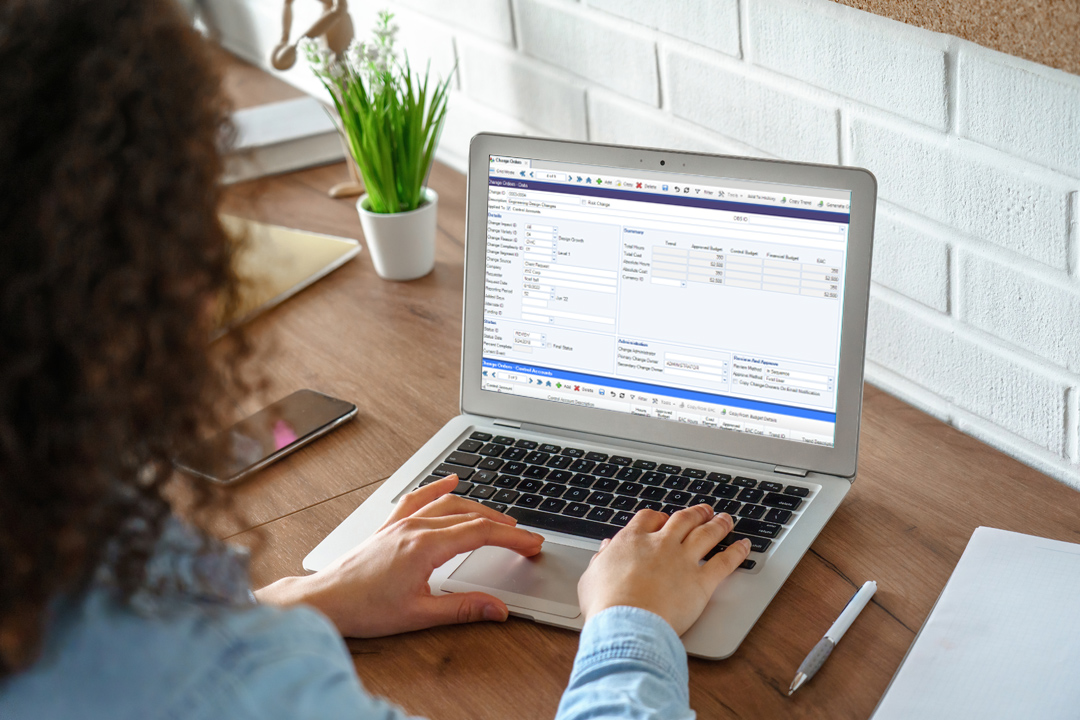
{"x":394,"y":348}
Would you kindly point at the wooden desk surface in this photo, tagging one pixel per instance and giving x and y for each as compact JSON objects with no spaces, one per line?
{"x":394,"y":349}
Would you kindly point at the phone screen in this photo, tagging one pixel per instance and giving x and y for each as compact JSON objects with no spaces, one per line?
{"x":272,"y":432}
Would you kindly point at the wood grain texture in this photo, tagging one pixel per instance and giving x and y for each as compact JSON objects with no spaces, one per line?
{"x":1045,"y":31}
{"x":922,"y":488}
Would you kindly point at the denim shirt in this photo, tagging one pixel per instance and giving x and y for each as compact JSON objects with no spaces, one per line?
{"x":198,"y":648}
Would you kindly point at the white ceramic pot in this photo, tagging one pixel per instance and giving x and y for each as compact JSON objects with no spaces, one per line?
{"x":402,"y":245}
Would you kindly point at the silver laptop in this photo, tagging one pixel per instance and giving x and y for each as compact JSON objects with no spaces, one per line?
{"x":649,"y":328}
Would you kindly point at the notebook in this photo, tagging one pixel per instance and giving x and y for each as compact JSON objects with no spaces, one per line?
{"x":1003,"y":640}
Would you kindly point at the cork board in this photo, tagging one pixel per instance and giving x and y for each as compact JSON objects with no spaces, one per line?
{"x":1045,"y":31}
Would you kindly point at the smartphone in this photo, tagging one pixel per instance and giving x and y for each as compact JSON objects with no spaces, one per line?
{"x":268,"y":435}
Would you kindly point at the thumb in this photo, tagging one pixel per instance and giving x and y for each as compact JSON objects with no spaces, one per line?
{"x":458,"y":608}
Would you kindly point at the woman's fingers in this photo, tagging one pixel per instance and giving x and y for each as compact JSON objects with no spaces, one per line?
{"x":704,"y":538}
{"x":683,"y":522}
{"x":646,"y":521}
{"x":724,"y":563}
{"x":414,"y":501}
{"x":467,"y":536}
{"x":456,"y":505}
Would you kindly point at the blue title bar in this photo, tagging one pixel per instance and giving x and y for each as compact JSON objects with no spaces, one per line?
{"x":662,"y":390}
{"x":672,"y":200}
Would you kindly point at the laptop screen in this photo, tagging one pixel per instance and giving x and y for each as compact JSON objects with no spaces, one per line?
{"x":702,"y":300}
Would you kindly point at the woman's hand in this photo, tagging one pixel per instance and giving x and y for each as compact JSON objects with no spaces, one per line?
{"x":381,"y":587}
{"x":654,"y":563}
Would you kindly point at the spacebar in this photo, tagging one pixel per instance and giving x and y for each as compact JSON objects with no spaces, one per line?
{"x":563,"y":524}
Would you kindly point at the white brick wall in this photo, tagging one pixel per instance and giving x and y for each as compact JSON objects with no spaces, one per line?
{"x":975,"y":313}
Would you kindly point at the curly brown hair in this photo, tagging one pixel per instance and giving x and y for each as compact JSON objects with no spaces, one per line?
{"x":112,"y":258}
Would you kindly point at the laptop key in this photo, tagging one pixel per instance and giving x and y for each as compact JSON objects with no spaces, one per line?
{"x":576,"y":509}
{"x":529,"y":501}
{"x":744,"y":482}
{"x":754,"y":512}
{"x":785,"y":502}
{"x":537,"y":458}
{"x":681,"y":497}
{"x":624,"y":503}
{"x":562,"y":476}
{"x":492,"y":450}
{"x":463,"y":488}
{"x":575,"y":494}
{"x":770,"y":486}
{"x":573,"y":452}
{"x":729,"y":506}
{"x":549,"y":448}
{"x":443,"y":470}
{"x":717,"y":477}
{"x":628,"y":473}
{"x":581,"y":480}
{"x":758,"y":527}
{"x":723,"y":491}
{"x":491,"y":463}
{"x":503,"y":440}
{"x":596,"y":457}
{"x":622,"y":518}
{"x":600,"y":514}
{"x":527,"y":444}
{"x":507,"y":481}
{"x":645,"y":464}
{"x":430,"y":479}
{"x":560,"y":462}
{"x":757,"y":544}
{"x":605,"y":484}
{"x":462,"y":458}
{"x":653,"y":478}
{"x":529,"y":485}
{"x":496,"y":506}
{"x":605,"y":470}
{"x":561,"y":523}
{"x":506,"y":496}
{"x":556,"y":490}
{"x":481,"y":436}
{"x":677,"y":483}
{"x":514,"y":454}
{"x":776,"y":515}
{"x":703,"y":500}
{"x":650,"y":505}
{"x":751,"y":495}
{"x":693,"y":473}
{"x":481,"y":492}
{"x":630,"y":488}
{"x":470,"y":446}
{"x":653,"y":493}
{"x":670,"y":469}
{"x":796,"y":491}
{"x":484,"y":477}
{"x":514,"y":468}
{"x":703,"y":487}
{"x":536,"y":472}
{"x":600,"y":498}
{"x":553,"y":505}
{"x":582,"y":466}
{"x":620,"y":460}
{"x":670,"y":509}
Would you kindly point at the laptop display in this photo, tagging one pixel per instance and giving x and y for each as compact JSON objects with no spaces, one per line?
{"x":679,"y":297}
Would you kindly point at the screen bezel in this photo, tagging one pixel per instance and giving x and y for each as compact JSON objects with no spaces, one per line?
{"x":841,"y":459}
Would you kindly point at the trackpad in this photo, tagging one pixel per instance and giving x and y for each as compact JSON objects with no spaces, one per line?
{"x":545,"y":583}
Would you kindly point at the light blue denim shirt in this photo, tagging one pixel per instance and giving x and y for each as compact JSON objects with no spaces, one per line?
{"x":197,"y":648}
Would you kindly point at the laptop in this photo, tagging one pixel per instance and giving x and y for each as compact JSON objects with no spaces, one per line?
{"x":648,"y":328}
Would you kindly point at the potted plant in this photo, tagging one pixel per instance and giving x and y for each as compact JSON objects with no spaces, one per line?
{"x":391,"y":119}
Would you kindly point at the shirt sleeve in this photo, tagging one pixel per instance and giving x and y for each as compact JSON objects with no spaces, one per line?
{"x":630,"y":664}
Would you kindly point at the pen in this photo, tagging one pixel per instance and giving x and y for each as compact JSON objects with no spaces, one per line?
{"x":817,"y":656}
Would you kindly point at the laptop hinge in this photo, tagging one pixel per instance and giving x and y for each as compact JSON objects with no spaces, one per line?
{"x":508,"y":423}
{"x":789,"y":471}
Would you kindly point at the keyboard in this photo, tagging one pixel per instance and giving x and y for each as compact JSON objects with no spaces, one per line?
{"x":592,"y":494}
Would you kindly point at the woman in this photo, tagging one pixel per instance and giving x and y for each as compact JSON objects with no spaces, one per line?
{"x":111,"y":263}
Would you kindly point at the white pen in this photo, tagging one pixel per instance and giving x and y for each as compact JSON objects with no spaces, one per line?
{"x":817,"y":656}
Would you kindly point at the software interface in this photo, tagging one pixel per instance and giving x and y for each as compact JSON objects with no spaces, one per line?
{"x":684,"y":298}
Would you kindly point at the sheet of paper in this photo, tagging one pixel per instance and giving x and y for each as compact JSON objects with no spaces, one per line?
{"x":1003,"y":640}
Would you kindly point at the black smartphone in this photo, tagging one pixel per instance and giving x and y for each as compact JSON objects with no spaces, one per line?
{"x":270,"y":434}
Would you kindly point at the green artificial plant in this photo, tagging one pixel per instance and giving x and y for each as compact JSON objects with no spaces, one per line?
{"x":390,"y":116}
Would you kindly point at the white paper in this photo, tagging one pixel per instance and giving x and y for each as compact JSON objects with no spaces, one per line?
{"x":1003,"y":640}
